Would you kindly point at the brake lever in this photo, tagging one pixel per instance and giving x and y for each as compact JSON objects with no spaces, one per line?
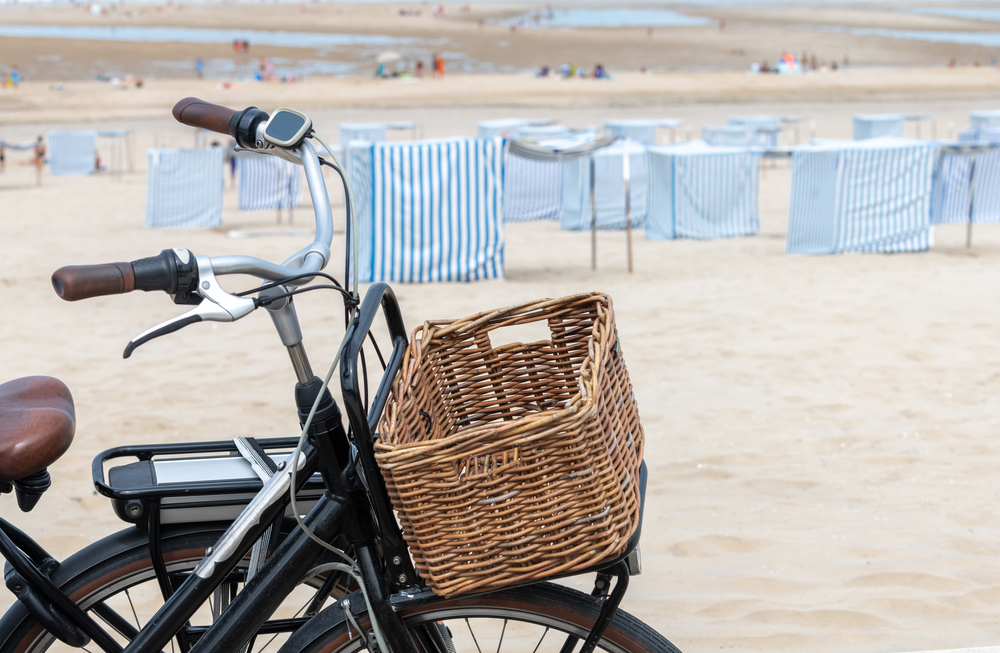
{"x":216,"y":306}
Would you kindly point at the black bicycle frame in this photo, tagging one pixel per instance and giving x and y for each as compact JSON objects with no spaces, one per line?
{"x":333,"y":515}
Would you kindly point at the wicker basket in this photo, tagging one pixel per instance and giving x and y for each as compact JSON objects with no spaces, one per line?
{"x":511,"y":464}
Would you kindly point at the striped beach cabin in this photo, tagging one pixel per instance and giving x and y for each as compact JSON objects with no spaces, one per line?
{"x":185,"y":188}
{"x":765,"y":130}
{"x":532,"y":189}
{"x":961,"y":177}
{"x":879,"y":124}
{"x":609,"y":188}
{"x":72,"y":153}
{"x":641,"y":131}
{"x":727,"y":136}
{"x":700,"y":191}
{"x":266,"y":182}
{"x":979,"y":120}
{"x":508,"y":127}
{"x":861,"y":196}
{"x":429,"y":210}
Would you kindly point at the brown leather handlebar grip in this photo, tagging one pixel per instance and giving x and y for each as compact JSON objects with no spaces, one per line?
{"x":198,"y":113}
{"x":76,"y":282}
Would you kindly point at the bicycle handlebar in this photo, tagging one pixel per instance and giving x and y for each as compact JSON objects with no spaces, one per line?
{"x":76,"y":282}
{"x":205,"y":115}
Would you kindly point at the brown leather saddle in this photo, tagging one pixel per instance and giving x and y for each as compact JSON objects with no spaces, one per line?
{"x":37,"y":423}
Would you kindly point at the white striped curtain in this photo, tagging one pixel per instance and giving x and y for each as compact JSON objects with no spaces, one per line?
{"x":542,"y":131}
{"x":871,"y":197}
{"x":266,"y":182}
{"x":641,"y":131}
{"x":726,"y":136}
{"x":765,"y":129}
{"x":72,"y":154}
{"x":372,"y":132}
{"x":875,"y":125}
{"x":950,"y":203}
{"x":984,"y":120}
{"x":508,"y":128}
{"x":429,"y":210}
{"x":575,"y":214}
{"x":532,"y":190}
{"x":185,"y":188}
{"x":698,"y":191}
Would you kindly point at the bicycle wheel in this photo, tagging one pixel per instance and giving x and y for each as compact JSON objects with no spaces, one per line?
{"x":114,"y":581}
{"x":534,"y":619}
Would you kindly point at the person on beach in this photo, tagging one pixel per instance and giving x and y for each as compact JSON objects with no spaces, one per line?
{"x":418,"y":70}
{"x":199,"y":68}
{"x":39,"y":160}
{"x":3,"y":162}
{"x":15,"y":76}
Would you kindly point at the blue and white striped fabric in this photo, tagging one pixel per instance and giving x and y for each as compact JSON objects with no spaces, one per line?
{"x":371,"y":132}
{"x":701,"y":191}
{"x":610,"y":188}
{"x":267,"y":182}
{"x":862,"y":196}
{"x":508,"y":128}
{"x":952,"y":177}
{"x":640,"y":131}
{"x":984,"y":120}
{"x":543,"y":131}
{"x":725,"y":136}
{"x":429,"y":210}
{"x":765,"y":129}
{"x":27,"y":145}
{"x":532,"y":190}
{"x":72,"y":154}
{"x":986,"y":135}
{"x":185,"y":188}
{"x":878,"y":124}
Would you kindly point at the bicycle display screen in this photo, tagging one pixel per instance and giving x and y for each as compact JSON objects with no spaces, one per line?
{"x":286,"y":127}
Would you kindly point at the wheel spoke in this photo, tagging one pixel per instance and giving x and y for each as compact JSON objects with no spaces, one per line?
{"x":544,"y":633}
{"x":502,"y":631}
{"x":473,"y":635}
{"x":132,"y":605}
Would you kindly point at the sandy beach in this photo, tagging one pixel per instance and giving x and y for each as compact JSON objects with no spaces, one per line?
{"x":821,"y":431}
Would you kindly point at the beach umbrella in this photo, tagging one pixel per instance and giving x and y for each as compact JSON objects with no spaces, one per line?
{"x":388,"y":57}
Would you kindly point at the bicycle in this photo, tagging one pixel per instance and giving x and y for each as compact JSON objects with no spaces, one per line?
{"x":214,"y":516}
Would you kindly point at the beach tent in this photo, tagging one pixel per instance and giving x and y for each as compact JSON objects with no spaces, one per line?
{"x":887,"y":124}
{"x":985,"y":135}
{"x":765,"y":130}
{"x":609,"y":188}
{"x":532,"y":188}
{"x":373,"y":132}
{"x":861,"y":196}
{"x":429,"y":210}
{"x":121,"y":149}
{"x":700,"y":191}
{"x":185,"y":188}
{"x":72,"y":153}
{"x":875,"y":125}
{"x":507,"y":127}
{"x":984,"y":120}
{"x":10,"y":145}
{"x":966,"y":187}
{"x":641,"y":131}
{"x":542,"y":131}
{"x":727,"y":136}
{"x":266,"y":182}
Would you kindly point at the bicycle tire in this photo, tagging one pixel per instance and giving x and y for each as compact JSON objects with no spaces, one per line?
{"x":106,"y":569}
{"x":544,"y":605}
